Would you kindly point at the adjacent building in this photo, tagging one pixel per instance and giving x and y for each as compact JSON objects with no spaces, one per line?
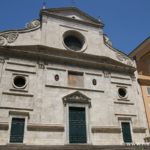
{"x":62,"y":82}
{"x":141,"y":55}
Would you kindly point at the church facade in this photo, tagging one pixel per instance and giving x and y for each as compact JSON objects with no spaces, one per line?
{"x":62,"y":82}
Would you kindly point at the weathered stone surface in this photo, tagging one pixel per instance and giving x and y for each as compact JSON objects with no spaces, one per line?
{"x":38,"y":54}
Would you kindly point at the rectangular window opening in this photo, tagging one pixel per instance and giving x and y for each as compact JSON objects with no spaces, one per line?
{"x":126,"y":131}
{"x":17,"y":130}
{"x":148,"y":90}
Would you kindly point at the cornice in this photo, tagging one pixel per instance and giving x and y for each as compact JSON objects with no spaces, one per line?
{"x":139,"y":47}
{"x":66,"y":57}
{"x":143,"y":81}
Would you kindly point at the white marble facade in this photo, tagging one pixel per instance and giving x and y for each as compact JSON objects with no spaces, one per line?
{"x":39,"y":55}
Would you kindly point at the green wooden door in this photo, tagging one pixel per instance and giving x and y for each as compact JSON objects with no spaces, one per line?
{"x":77,"y":125}
{"x":126,"y":132}
{"x":17,"y":130}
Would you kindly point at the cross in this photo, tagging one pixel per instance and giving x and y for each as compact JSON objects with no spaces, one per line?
{"x":44,"y":4}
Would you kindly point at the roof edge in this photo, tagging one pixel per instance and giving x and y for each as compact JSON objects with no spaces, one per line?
{"x":31,"y":26}
{"x":76,"y":9}
{"x":40,"y":49}
{"x":134,"y":51}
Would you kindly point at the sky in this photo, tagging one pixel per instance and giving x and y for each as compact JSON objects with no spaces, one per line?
{"x":127,"y":22}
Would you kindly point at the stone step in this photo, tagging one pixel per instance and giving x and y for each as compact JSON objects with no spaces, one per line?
{"x":71,"y":147}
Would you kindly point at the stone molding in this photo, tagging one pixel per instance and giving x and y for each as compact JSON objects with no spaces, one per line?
{"x":15,"y":108}
{"x":123,"y":103}
{"x":123,"y":100}
{"x":45,"y":127}
{"x":139,"y":129}
{"x":22,"y":71}
{"x":73,"y":10}
{"x":91,"y":24}
{"x":107,"y":41}
{"x":59,"y":69}
{"x":80,"y":29}
{"x":118,"y":82}
{"x":125,"y":115}
{"x":4,"y":125}
{"x":122,"y":78}
{"x":18,"y":94}
{"x":19,"y":113}
{"x":77,"y":97}
{"x":109,"y":129}
{"x":125,"y":118}
{"x":8,"y":37}
{"x":85,"y":60}
{"x":21,"y":64}
{"x":74,"y":88}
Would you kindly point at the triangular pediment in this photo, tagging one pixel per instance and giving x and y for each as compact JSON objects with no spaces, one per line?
{"x":77,"y":97}
{"x":73,"y":13}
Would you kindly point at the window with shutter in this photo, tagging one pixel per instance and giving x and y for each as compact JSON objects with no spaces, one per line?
{"x":148,"y":90}
{"x":126,"y":131}
{"x":17,"y":130}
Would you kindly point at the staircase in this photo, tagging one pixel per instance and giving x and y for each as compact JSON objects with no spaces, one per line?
{"x":71,"y":147}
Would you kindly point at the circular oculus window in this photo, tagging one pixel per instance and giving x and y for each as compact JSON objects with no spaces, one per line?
{"x":19,"y":82}
{"x":74,"y":41}
{"x":122,"y":92}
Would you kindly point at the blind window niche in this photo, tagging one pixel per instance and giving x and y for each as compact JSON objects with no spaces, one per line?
{"x":75,"y":79}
